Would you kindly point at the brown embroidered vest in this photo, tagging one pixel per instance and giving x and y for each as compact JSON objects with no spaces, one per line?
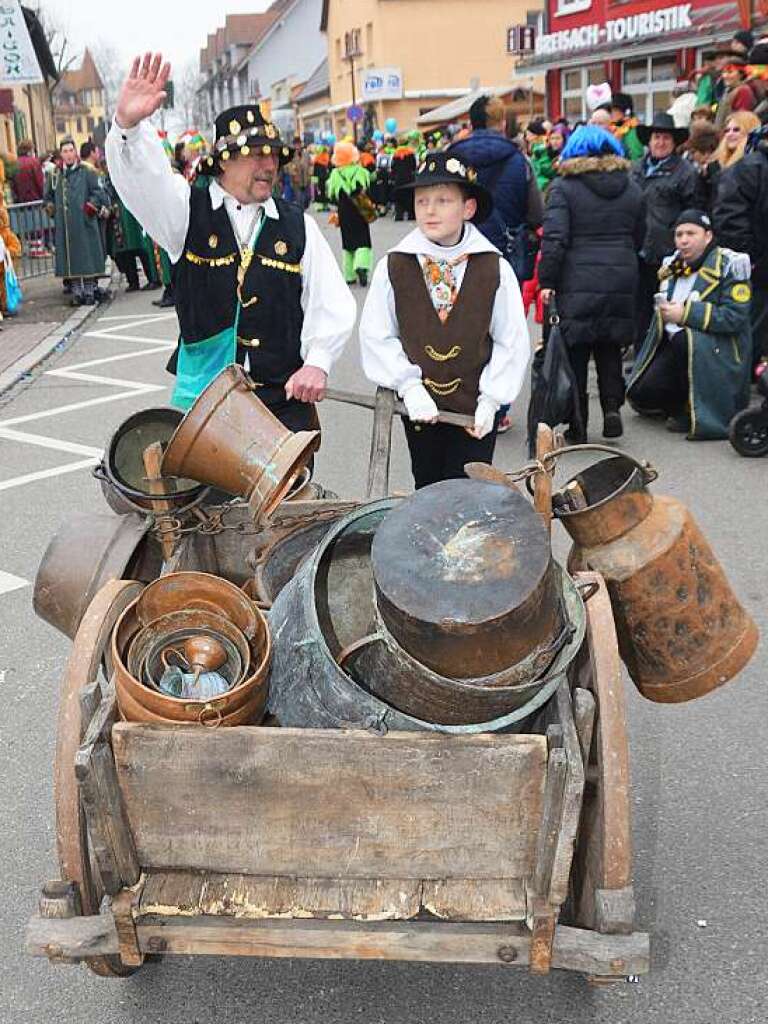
{"x":452,"y":355}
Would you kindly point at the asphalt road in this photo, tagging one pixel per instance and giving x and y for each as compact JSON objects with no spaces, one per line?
{"x":699,"y":770}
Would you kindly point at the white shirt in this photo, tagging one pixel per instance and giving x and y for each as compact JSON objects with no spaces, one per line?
{"x":159,"y":199}
{"x":384,"y":359}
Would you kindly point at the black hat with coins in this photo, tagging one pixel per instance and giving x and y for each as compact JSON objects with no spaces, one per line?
{"x":446,"y":169}
{"x":244,"y":131}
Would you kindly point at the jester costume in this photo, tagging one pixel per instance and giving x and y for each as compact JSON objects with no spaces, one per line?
{"x":698,"y":371}
{"x":348,"y":189}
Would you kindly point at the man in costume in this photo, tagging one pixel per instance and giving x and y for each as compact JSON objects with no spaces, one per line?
{"x":694,"y":365}
{"x":256,"y":282}
{"x":75,"y":199}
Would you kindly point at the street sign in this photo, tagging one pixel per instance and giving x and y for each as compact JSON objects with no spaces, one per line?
{"x":355,"y":113}
{"x":18,"y":62}
{"x":521,"y":39}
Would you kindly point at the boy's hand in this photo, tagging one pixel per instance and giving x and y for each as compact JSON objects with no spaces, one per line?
{"x":485,"y":416}
{"x":420,"y":405}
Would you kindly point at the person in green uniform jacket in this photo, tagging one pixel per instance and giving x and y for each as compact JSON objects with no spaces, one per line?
{"x":348,"y":188}
{"x":694,"y":366}
{"x":76,"y":200}
{"x":125,"y":239}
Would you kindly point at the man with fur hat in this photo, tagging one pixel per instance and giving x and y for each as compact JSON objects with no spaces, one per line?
{"x":670,"y":185}
{"x":695,"y":362}
{"x":256,"y":282}
{"x":444,"y":324}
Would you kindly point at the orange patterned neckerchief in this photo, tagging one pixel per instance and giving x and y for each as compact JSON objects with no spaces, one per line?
{"x":441,"y":283}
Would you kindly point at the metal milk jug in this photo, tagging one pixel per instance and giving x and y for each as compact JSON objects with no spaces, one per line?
{"x":681,"y":630}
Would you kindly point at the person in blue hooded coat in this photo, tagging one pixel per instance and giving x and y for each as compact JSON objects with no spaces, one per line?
{"x":501,"y":169}
{"x":594,"y":223}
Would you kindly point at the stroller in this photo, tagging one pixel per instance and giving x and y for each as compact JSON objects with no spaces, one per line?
{"x":748,"y":432}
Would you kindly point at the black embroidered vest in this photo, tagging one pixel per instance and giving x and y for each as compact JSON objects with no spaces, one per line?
{"x":452,"y":355}
{"x":206,"y":287}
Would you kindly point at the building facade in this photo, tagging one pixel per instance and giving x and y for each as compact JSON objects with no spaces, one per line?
{"x":402,"y":58}
{"x":79,"y":102}
{"x":313,"y":117}
{"x":640,"y":48}
{"x":284,"y":58}
{"x":225,"y":80}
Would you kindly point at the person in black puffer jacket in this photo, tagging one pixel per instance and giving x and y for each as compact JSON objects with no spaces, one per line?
{"x":670,"y":185}
{"x":594,"y":224}
{"x":741,"y":223}
{"x":501,"y":169}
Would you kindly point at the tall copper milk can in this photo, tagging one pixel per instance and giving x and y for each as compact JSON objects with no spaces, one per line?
{"x":682,"y":632}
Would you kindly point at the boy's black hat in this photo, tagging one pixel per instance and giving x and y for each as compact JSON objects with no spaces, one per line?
{"x":446,"y":169}
{"x":244,"y":130}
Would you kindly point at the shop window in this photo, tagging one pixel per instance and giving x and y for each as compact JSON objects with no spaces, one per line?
{"x":79,"y":126}
{"x":664,"y":69}
{"x":61,"y":127}
{"x":571,"y":80}
{"x":575,"y":84}
{"x":573,"y":109}
{"x":596,"y":74}
{"x":636,"y":72}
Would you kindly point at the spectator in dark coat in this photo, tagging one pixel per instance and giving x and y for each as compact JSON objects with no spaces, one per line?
{"x":670,"y":185}
{"x":501,"y":169}
{"x":741,"y":223}
{"x":28,"y":182}
{"x":594,"y":224}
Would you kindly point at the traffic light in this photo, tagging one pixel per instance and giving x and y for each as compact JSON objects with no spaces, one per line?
{"x":168,"y":105}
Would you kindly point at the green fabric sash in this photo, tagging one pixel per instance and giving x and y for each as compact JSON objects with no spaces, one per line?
{"x":199,"y":363}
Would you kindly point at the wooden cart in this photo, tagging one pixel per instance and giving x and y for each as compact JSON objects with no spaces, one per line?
{"x":261,"y":841}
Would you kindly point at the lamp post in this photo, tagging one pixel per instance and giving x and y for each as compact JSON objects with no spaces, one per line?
{"x":351,"y":52}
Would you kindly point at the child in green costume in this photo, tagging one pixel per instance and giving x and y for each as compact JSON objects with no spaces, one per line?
{"x":347,"y":188}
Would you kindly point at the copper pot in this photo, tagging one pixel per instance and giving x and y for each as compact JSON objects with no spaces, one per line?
{"x":230,"y":440}
{"x":138,"y":702}
{"x":87,"y":551}
{"x":201,"y":591}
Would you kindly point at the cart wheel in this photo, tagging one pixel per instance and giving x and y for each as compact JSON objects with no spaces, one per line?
{"x":85,"y":662}
{"x":748,"y":432}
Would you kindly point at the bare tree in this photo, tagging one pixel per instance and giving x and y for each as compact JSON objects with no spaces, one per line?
{"x":112,"y":71}
{"x":62,"y":51}
{"x":187,"y":99}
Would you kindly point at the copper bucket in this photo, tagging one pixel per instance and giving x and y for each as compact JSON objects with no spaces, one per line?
{"x":230,"y":440}
{"x":681,"y":631}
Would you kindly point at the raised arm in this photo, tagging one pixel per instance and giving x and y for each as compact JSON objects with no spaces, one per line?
{"x":138,"y":166}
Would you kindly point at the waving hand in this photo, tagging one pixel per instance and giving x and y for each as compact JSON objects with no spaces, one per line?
{"x":143,"y":91}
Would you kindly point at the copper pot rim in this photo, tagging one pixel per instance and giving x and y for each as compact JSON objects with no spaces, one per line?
{"x":199,"y":590}
{"x":637,"y":470}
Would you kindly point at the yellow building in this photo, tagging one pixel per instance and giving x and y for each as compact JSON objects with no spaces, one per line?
{"x":79,"y":102}
{"x":421,"y":53}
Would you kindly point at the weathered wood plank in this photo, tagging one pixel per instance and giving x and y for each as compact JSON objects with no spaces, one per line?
{"x":124,"y":910}
{"x":330,"y":803}
{"x":195,"y":894}
{"x":573,"y":948}
{"x":584,"y":708}
{"x":550,"y":821}
{"x":604,"y":857}
{"x":73,"y":938}
{"x":381,"y":445}
{"x":110,"y":837}
{"x":471,"y":899}
{"x":61,"y":900}
{"x":573,"y":794}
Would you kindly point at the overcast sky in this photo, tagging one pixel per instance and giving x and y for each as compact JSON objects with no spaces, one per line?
{"x":177,"y":27}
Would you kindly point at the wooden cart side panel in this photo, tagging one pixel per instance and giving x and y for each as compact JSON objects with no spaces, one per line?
{"x":604,"y":861}
{"x":330,"y":804}
{"x":197,"y":893}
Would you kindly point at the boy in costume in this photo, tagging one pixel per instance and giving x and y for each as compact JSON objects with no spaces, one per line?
{"x":694,"y":365}
{"x":444,"y":324}
{"x":348,"y":188}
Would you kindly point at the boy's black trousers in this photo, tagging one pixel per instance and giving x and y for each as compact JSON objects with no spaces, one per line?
{"x":440,"y":451}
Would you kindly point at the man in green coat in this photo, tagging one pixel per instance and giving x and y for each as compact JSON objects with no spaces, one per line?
{"x":76,"y":200}
{"x":694,"y":365}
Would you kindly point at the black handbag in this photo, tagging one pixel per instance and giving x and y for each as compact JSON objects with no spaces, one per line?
{"x":554,"y":391}
{"x":520,"y":248}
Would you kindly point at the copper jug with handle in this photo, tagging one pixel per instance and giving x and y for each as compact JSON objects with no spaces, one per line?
{"x":682,"y":632}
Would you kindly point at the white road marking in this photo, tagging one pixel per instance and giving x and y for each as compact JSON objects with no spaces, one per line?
{"x":49,"y":442}
{"x":131,"y":389}
{"x":139,"y":316}
{"x":44,"y":474}
{"x":9,"y":582}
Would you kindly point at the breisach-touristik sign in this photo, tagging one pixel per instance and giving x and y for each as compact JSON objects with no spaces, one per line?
{"x":617,"y":30}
